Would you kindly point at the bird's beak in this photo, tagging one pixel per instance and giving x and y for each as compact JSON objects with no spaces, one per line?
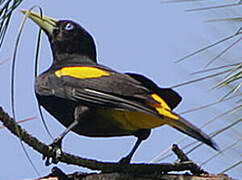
{"x":46,"y":23}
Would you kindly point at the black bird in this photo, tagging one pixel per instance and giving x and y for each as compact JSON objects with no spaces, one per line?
{"x":96,"y":101}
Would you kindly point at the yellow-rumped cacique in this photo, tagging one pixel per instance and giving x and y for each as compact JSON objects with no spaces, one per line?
{"x":95,"y":101}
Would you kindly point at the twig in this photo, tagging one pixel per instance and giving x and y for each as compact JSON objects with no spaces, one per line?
{"x":179,"y":153}
{"x":105,"y":167}
{"x":197,"y":170}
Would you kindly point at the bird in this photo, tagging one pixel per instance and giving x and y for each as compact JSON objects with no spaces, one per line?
{"x":94,"y":100}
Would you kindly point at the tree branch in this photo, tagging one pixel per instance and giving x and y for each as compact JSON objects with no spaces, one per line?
{"x":57,"y":174}
{"x":105,"y":167}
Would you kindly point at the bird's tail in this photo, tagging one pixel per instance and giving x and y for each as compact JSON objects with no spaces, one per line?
{"x":177,"y":122}
{"x":189,"y":129}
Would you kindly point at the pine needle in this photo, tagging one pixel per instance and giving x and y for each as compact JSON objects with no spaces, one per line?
{"x":211,"y":104}
{"x":215,"y":7}
{"x":231,"y":167}
{"x":202,"y":78}
{"x":223,"y":52}
{"x":6,"y":10}
{"x":220,"y":152}
{"x":178,"y":1}
{"x":13,"y":84}
{"x":21,"y":121}
{"x":235,"y":19}
{"x":217,"y":68}
{"x":209,"y":46}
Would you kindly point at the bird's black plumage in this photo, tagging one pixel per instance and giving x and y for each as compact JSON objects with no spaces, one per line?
{"x":93,"y":100}
{"x":68,"y":38}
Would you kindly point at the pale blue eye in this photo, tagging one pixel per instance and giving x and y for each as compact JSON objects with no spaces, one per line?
{"x":69,"y":27}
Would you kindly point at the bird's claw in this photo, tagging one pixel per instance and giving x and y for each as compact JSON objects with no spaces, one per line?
{"x":125,"y":160}
{"x":56,"y":153}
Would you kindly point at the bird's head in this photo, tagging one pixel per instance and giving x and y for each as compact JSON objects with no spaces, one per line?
{"x":67,"y":38}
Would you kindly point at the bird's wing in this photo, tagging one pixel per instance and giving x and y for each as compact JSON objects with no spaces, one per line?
{"x":171,"y":97}
{"x":100,"y":86}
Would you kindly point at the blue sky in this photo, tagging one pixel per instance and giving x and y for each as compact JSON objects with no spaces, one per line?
{"x":131,"y":36}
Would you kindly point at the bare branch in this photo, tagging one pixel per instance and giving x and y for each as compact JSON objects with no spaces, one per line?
{"x":105,"y":167}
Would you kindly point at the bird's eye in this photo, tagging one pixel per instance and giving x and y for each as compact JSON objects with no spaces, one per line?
{"x":69,"y":27}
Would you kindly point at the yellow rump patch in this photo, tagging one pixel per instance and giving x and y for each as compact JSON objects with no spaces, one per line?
{"x":81,"y":72}
{"x":131,"y":120}
{"x":163,"y":109}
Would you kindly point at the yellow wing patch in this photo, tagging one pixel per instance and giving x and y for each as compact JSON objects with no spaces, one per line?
{"x":81,"y":72}
{"x":161,"y":101}
{"x":162,"y":108}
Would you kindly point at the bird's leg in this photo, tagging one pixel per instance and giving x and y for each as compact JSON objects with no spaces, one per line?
{"x":127,"y":159}
{"x":55,"y":146}
{"x":141,"y":135}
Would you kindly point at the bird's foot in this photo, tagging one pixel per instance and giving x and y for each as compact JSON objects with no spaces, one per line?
{"x":56,"y":172}
{"x":125,"y":160}
{"x":56,"y":152}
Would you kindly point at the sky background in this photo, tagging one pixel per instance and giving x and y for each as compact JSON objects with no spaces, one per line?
{"x":131,"y":36}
